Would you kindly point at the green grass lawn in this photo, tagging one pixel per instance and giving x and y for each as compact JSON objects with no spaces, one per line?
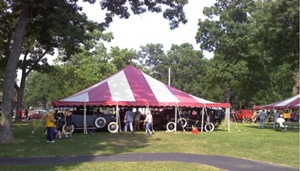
{"x":250,"y":142}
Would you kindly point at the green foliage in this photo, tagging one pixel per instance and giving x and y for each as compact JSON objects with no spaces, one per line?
{"x":38,"y":89}
{"x":83,"y":70}
{"x":252,"y":41}
{"x":151,"y":55}
{"x":187,"y":68}
{"x":120,"y":58}
{"x":256,"y":50}
{"x":173,"y":10}
{"x":45,"y":25}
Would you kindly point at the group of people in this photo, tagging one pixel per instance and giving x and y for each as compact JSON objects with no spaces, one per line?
{"x":278,"y":119}
{"x":131,"y":117}
{"x":55,"y":122}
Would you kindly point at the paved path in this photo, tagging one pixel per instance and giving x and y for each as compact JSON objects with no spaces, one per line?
{"x":222,"y":162}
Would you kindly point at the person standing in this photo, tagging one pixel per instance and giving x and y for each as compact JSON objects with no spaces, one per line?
{"x":275,"y":112}
{"x":68,"y":122}
{"x":20,"y":113}
{"x":148,"y":122}
{"x":50,"y":124}
{"x":128,"y":119}
{"x":137,"y":117}
{"x":59,"y":124}
{"x":26,"y":113}
{"x":262,"y":117}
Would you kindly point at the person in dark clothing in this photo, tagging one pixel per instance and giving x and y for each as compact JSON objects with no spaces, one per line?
{"x":68,"y":121}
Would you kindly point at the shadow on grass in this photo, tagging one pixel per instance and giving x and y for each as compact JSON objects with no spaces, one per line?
{"x":100,"y":142}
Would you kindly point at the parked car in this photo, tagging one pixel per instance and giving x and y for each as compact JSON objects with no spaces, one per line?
{"x":93,"y":121}
{"x":241,"y":114}
{"x":37,"y":114}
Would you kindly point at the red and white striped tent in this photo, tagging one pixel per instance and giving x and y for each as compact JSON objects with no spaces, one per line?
{"x":132,"y":87}
{"x":292,"y":103}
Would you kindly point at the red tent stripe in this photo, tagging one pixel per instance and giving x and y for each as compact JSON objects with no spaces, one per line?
{"x":139,"y":86}
{"x":182,"y":96}
{"x":105,"y":95}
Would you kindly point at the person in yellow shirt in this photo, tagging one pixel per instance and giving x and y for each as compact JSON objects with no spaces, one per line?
{"x":50,"y":124}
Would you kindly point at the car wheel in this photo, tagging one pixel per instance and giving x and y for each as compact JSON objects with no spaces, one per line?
{"x":182,"y":122}
{"x":65,"y":131}
{"x":209,"y":127}
{"x":171,"y":127}
{"x":100,"y":122}
{"x":113,"y":127}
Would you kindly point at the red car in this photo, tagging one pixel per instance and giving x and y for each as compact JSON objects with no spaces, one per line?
{"x":240,"y":114}
{"x":37,"y":114}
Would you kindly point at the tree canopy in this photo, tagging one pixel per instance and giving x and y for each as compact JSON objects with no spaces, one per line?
{"x":255,"y":46}
{"x":40,"y":26}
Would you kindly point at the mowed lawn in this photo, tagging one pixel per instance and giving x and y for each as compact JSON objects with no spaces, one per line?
{"x":244,"y":141}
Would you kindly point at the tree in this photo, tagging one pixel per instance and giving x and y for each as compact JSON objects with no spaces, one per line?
{"x":253,"y":41}
{"x":36,"y":9}
{"x":227,"y":36}
{"x":151,"y":55}
{"x":39,"y":86}
{"x":42,"y":38}
{"x":187,"y":68}
{"x":278,"y":27}
{"x":120,"y":58}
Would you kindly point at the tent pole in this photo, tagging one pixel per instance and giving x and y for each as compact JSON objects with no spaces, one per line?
{"x":84,"y":119}
{"x":228,"y":118}
{"x":202,"y":118}
{"x":169,"y":76}
{"x":118,"y":117}
{"x":176,"y":108}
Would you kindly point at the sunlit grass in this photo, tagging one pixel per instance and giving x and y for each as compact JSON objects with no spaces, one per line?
{"x":243,"y":141}
{"x":108,"y":166}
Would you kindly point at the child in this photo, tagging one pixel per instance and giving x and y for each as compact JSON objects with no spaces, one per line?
{"x":59,"y":125}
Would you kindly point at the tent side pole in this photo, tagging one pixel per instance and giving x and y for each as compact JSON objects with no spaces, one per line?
{"x":202,"y":118}
{"x":176,"y":108}
{"x":84,"y":119}
{"x":228,"y":118}
{"x":118,"y":117}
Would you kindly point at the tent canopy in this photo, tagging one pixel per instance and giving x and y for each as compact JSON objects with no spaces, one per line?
{"x":132,"y":87}
{"x":292,"y":102}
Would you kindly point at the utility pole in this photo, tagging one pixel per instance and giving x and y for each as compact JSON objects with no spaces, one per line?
{"x":169,"y":77}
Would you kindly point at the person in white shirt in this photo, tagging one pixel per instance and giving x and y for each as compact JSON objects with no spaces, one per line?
{"x":280,"y":121}
{"x":148,"y":122}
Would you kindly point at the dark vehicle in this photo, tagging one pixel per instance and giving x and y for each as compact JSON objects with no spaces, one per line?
{"x":189,"y":118}
{"x":94,"y":120}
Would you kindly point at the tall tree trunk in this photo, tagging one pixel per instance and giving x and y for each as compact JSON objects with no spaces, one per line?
{"x":228,"y":91}
{"x":21,"y":93}
{"x":6,"y":135}
{"x":20,"y":90}
{"x":296,"y":78}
